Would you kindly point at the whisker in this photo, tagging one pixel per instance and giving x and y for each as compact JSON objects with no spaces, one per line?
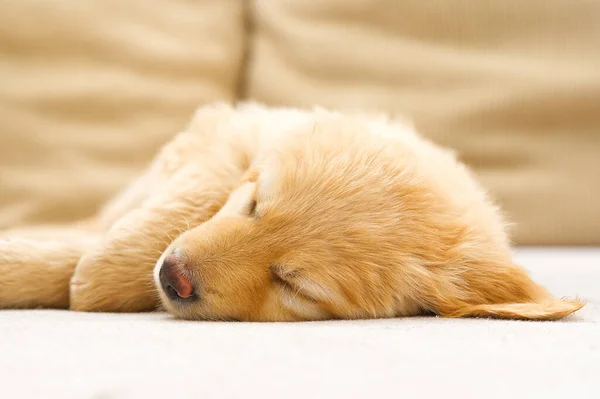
{"x":165,"y":243}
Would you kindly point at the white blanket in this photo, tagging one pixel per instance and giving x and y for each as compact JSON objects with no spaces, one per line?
{"x":59,"y":354}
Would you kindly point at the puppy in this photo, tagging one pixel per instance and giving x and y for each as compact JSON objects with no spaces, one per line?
{"x":285,"y":215}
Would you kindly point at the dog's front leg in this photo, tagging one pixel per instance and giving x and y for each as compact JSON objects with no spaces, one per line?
{"x":116,"y":276}
{"x":36,"y":265}
{"x":186,"y":185}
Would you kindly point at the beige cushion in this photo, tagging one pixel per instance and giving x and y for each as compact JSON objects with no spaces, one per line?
{"x":514,"y":86}
{"x":90,"y":89}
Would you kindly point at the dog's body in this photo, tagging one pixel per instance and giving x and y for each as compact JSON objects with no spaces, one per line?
{"x":284,"y":215}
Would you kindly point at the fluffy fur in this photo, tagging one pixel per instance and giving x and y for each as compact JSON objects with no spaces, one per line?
{"x":282,"y":215}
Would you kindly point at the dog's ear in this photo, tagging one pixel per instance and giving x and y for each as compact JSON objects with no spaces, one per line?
{"x":506,"y":292}
{"x":550,"y":309}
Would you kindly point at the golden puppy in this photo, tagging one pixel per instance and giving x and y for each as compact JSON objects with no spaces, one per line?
{"x":286,"y":215}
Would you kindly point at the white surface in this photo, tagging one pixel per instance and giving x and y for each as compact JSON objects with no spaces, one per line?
{"x":57,"y":354}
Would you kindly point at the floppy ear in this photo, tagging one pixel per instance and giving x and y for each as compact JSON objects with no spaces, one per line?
{"x":505,"y":292}
{"x":550,"y":309}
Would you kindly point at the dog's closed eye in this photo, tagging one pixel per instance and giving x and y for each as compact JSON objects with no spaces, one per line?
{"x":276,"y":272}
{"x":251,"y":211}
{"x":286,"y":280}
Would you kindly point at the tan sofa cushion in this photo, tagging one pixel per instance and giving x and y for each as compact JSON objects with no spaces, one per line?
{"x":89,"y":90}
{"x":514,"y":86}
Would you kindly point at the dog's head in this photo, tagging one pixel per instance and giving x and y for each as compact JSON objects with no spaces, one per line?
{"x":313,"y":231}
{"x":341,"y":221}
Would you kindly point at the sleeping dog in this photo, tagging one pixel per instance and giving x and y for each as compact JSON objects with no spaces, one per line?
{"x":263,"y":214}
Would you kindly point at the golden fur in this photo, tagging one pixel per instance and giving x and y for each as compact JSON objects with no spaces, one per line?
{"x":279,"y":214}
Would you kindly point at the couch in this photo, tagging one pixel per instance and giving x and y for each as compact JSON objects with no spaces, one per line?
{"x":90,"y":90}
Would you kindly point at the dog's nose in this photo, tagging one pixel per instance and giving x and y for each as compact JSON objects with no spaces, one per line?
{"x":174,"y":283}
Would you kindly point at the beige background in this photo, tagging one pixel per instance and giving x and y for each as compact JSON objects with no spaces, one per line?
{"x":89,"y":90}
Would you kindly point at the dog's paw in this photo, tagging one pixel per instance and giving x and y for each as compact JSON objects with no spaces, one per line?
{"x":36,"y":265}
{"x":109,"y":281}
